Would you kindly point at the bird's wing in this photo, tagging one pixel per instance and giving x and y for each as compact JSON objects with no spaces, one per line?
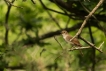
{"x":76,"y":42}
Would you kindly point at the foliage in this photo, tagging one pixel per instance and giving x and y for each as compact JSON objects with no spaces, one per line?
{"x":30,"y":50}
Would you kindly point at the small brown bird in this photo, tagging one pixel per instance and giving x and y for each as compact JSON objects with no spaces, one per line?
{"x":74,"y":42}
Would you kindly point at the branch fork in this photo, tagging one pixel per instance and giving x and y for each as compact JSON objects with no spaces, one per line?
{"x":91,"y":45}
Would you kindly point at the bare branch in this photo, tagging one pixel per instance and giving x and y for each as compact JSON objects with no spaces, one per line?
{"x":10,"y":3}
{"x":54,"y":19}
{"x":88,"y":11}
{"x":87,"y":17}
{"x":6,"y":23}
{"x":52,"y":34}
{"x":50,"y":9}
{"x":67,"y":22}
{"x":92,"y":45}
{"x":79,"y":48}
{"x":101,"y":45}
{"x":58,"y":42}
{"x":33,"y":2}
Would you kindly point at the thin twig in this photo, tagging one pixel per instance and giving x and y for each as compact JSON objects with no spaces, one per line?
{"x":92,"y":45}
{"x":33,"y":2}
{"x":66,"y":14}
{"x":79,"y":48}
{"x":101,"y":45}
{"x":10,"y":3}
{"x":88,"y":10}
{"x":61,"y":7}
{"x":67,"y":22}
{"x":42,"y":51}
{"x":54,"y":19}
{"x":58,"y":41}
{"x":50,"y":9}
{"x":50,"y":15}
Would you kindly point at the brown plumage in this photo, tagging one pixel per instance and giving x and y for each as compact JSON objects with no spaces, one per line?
{"x":74,"y":42}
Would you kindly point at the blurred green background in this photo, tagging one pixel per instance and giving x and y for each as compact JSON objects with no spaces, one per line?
{"x":27,"y":40}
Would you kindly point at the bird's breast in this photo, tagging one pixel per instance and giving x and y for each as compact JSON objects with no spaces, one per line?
{"x":67,"y":38}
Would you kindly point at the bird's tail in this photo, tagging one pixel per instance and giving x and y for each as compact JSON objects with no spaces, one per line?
{"x":81,"y":53}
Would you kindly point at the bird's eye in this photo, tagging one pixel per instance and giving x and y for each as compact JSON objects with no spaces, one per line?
{"x":63,"y":32}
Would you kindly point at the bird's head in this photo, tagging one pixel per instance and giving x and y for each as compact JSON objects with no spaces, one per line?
{"x":64,"y":32}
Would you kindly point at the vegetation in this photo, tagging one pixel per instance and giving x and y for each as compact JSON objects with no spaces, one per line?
{"x":30,"y":38}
